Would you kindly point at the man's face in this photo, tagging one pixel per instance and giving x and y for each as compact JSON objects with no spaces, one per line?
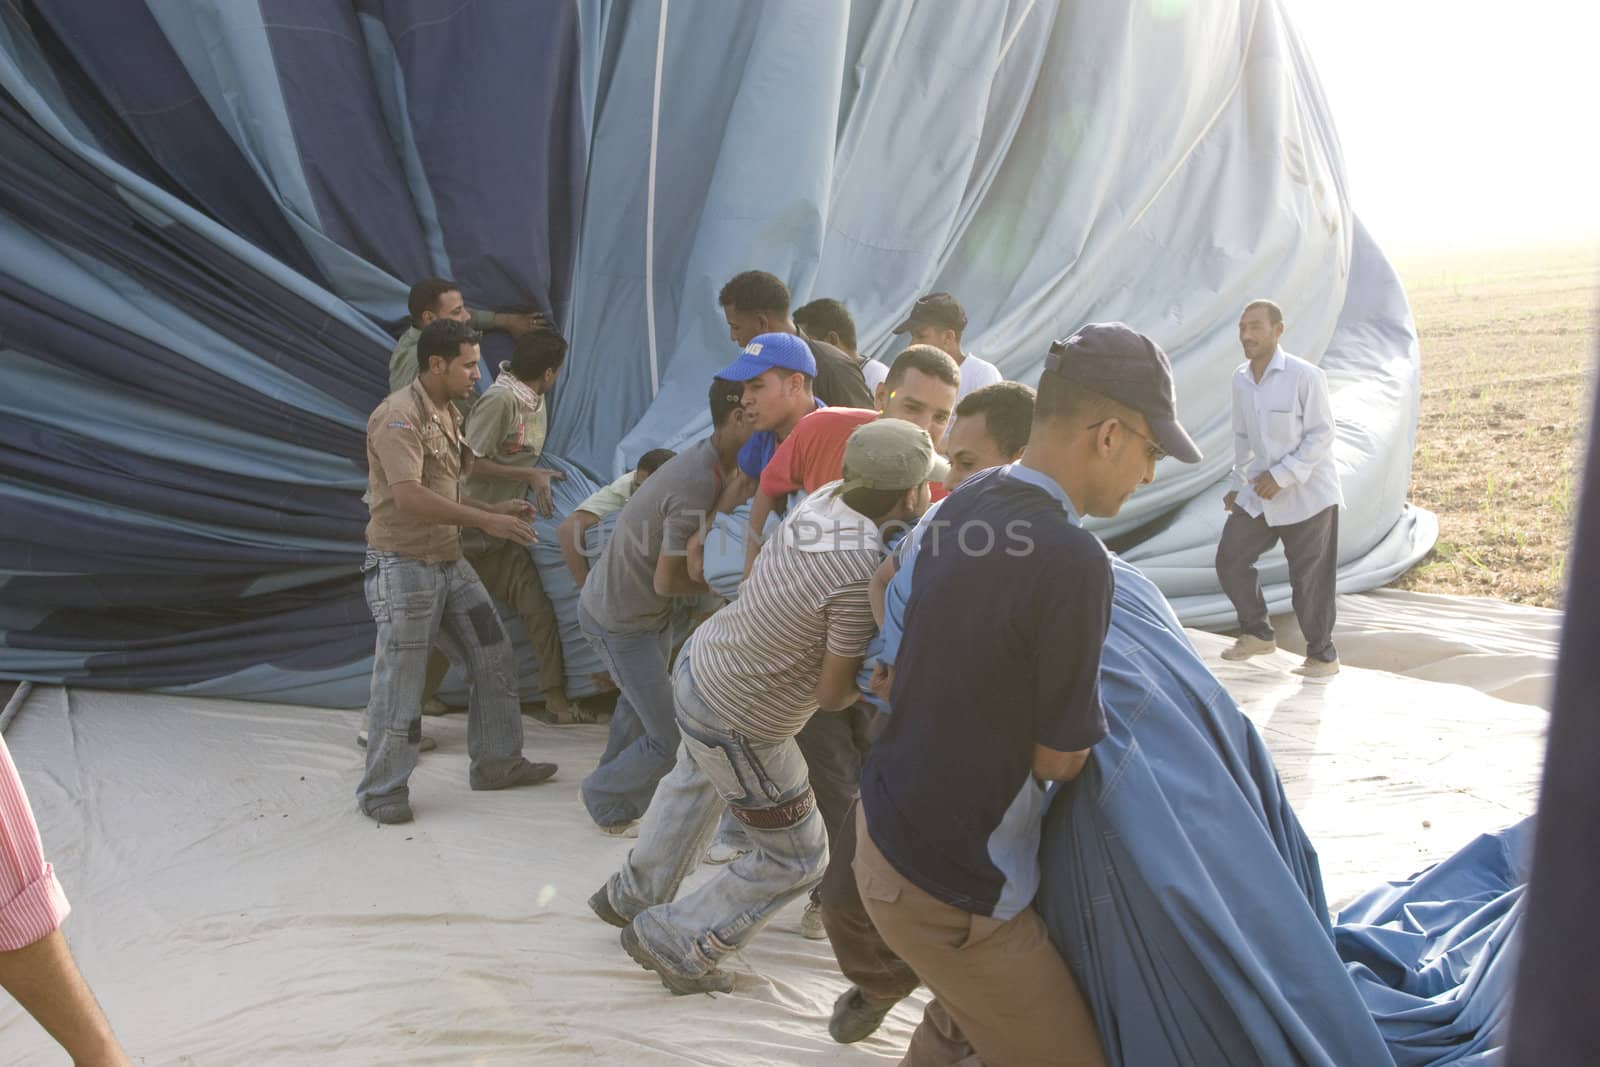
{"x":450,"y":306}
{"x":639,"y":478}
{"x":770,"y":398}
{"x":743,"y":326}
{"x":1258,"y":335}
{"x":920,"y":399}
{"x":460,"y":375}
{"x":971,"y":448}
{"x":1130,"y":463}
{"x":940,"y":337}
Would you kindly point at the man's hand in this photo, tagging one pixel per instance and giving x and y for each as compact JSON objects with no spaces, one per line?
{"x":881,"y":682}
{"x":1265,"y":486}
{"x":510,"y":525}
{"x":539,"y":480}
{"x":517,"y":323}
{"x":1228,"y":498}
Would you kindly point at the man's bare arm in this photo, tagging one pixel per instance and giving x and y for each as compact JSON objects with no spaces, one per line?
{"x":573,"y":533}
{"x":45,"y":980}
{"x":1052,"y":765}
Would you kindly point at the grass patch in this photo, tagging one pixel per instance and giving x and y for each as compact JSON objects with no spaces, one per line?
{"x":1508,"y":350}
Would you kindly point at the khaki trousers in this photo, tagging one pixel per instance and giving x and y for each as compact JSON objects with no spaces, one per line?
{"x":509,"y":575}
{"x":1001,"y":985}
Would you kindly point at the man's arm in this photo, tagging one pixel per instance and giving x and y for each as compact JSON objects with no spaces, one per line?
{"x":45,"y":980}
{"x":1317,"y":440}
{"x":423,"y":504}
{"x":672,"y":576}
{"x":536,"y":478}
{"x":1052,"y":765}
{"x":740,"y":487}
{"x":761,"y":508}
{"x":836,"y":685}
{"x":572,"y":533}
{"x":1242,"y":452}
{"x":514,"y":323}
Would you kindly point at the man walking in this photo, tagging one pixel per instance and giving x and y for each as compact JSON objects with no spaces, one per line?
{"x":420,"y":590}
{"x":1285,"y":487}
{"x":952,"y":796}
{"x":745,"y":684}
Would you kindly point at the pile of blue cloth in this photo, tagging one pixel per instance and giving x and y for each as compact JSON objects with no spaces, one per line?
{"x":1182,"y":890}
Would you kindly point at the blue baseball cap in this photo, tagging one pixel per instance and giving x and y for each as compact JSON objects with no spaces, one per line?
{"x":771,"y":351}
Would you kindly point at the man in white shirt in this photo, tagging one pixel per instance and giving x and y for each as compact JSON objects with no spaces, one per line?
{"x":1285,"y":487}
{"x":938,"y":319}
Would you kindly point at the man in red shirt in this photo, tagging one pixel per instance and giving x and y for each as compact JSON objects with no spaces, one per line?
{"x":920,"y":389}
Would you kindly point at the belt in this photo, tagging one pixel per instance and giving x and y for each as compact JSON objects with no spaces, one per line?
{"x":789,"y":813}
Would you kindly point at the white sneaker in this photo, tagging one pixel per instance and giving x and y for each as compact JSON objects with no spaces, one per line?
{"x":811,"y":927}
{"x":1317,"y":668}
{"x":720,"y":853}
{"x":1247,"y":645}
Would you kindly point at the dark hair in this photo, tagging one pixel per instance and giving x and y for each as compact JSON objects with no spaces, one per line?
{"x":755,"y":290}
{"x":444,"y":338}
{"x":537,"y":351}
{"x":1007,"y":410}
{"x":426,"y":294}
{"x":652,"y":460}
{"x":827,"y":315}
{"x":1274,"y":312}
{"x":726,"y":398}
{"x":874,"y":503}
{"x":934,"y":362}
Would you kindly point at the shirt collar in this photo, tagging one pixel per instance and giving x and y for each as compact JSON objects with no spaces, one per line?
{"x":426,"y":410}
{"x":1028,"y":475}
{"x":1276,"y":362}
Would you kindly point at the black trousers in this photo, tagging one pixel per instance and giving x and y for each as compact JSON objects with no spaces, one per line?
{"x":1312,"y":549}
{"x":835,"y":744}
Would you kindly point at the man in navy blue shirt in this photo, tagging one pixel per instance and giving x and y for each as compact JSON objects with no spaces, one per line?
{"x":954,"y":791}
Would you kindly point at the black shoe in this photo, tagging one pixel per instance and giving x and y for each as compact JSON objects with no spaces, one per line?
{"x":853,"y":1018}
{"x":600,"y":904}
{"x":713,"y":981}
{"x":391,"y":813}
{"x":427,"y":744}
{"x":524,"y":773}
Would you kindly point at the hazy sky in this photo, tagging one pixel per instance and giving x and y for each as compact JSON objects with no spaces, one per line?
{"x":1463,"y":123}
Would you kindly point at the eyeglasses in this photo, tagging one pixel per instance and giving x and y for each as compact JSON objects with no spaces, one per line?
{"x":1154,"y":452}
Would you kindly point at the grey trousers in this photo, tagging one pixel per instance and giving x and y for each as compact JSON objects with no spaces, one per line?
{"x":1312,"y":549}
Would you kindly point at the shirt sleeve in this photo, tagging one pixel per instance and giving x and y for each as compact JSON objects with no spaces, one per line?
{"x":398,"y":444}
{"x":752,"y":454}
{"x":1237,"y":480}
{"x":493,"y":419}
{"x":1074,"y":611}
{"x":847,"y":613}
{"x":1316,"y":439}
{"x":482,"y":321}
{"x":32,"y":904}
{"x":608,"y":499}
{"x":785,"y":471}
{"x":402,"y":364}
{"x":682,"y":522}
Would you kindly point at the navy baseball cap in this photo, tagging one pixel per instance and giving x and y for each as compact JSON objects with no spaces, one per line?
{"x":1118,"y":362}
{"x":936,"y":309}
{"x":771,"y":351}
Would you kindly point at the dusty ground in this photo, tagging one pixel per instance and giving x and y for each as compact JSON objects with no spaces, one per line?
{"x":1508,"y":356}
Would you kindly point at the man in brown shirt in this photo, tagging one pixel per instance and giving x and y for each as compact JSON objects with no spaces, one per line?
{"x":421,"y":590}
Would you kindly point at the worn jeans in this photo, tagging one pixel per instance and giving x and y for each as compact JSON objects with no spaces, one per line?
{"x":718,"y":767}
{"x":414,"y":605}
{"x":643,"y":741}
{"x":1312,"y":549}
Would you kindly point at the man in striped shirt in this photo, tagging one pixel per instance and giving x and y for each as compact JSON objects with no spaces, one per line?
{"x":745,"y":684}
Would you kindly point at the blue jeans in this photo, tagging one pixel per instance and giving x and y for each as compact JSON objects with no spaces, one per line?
{"x":644,"y":730}
{"x":717,"y":767}
{"x":414,"y":605}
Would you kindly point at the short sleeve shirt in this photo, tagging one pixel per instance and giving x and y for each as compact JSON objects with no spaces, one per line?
{"x":661,"y":516}
{"x":608,"y":499}
{"x":839,"y":380}
{"x":755,"y":452}
{"x":409,"y":440}
{"x":505,"y":427}
{"x":814,"y":452}
{"x":1009,"y":607}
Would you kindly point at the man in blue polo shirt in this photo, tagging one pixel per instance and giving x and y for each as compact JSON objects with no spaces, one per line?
{"x":954,"y":791}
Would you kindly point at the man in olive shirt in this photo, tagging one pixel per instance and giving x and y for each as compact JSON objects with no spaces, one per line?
{"x":433,"y":299}
{"x":420,"y":590}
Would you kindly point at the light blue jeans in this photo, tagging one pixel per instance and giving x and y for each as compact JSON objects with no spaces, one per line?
{"x":717,"y":767}
{"x":644,"y":728}
{"x":415,"y":604}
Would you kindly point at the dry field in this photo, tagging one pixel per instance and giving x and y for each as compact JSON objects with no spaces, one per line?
{"x":1508,"y":356}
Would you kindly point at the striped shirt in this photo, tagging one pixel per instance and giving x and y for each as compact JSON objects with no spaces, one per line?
{"x":32,"y":904}
{"x":757,"y":661}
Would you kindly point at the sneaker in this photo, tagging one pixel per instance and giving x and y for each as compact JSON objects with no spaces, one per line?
{"x":853,"y":1018}
{"x":721,"y":852}
{"x":600,"y":904}
{"x":427,"y":744}
{"x":713,"y":981}
{"x":1247,"y":645}
{"x":629,"y":828}
{"x":435,"y":706}
{"x":524,"y":773}
{"x":391,"y":813}
{"x":564,"y":712}
{"x":811,"y":927}
{"x":1317,"y":668}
